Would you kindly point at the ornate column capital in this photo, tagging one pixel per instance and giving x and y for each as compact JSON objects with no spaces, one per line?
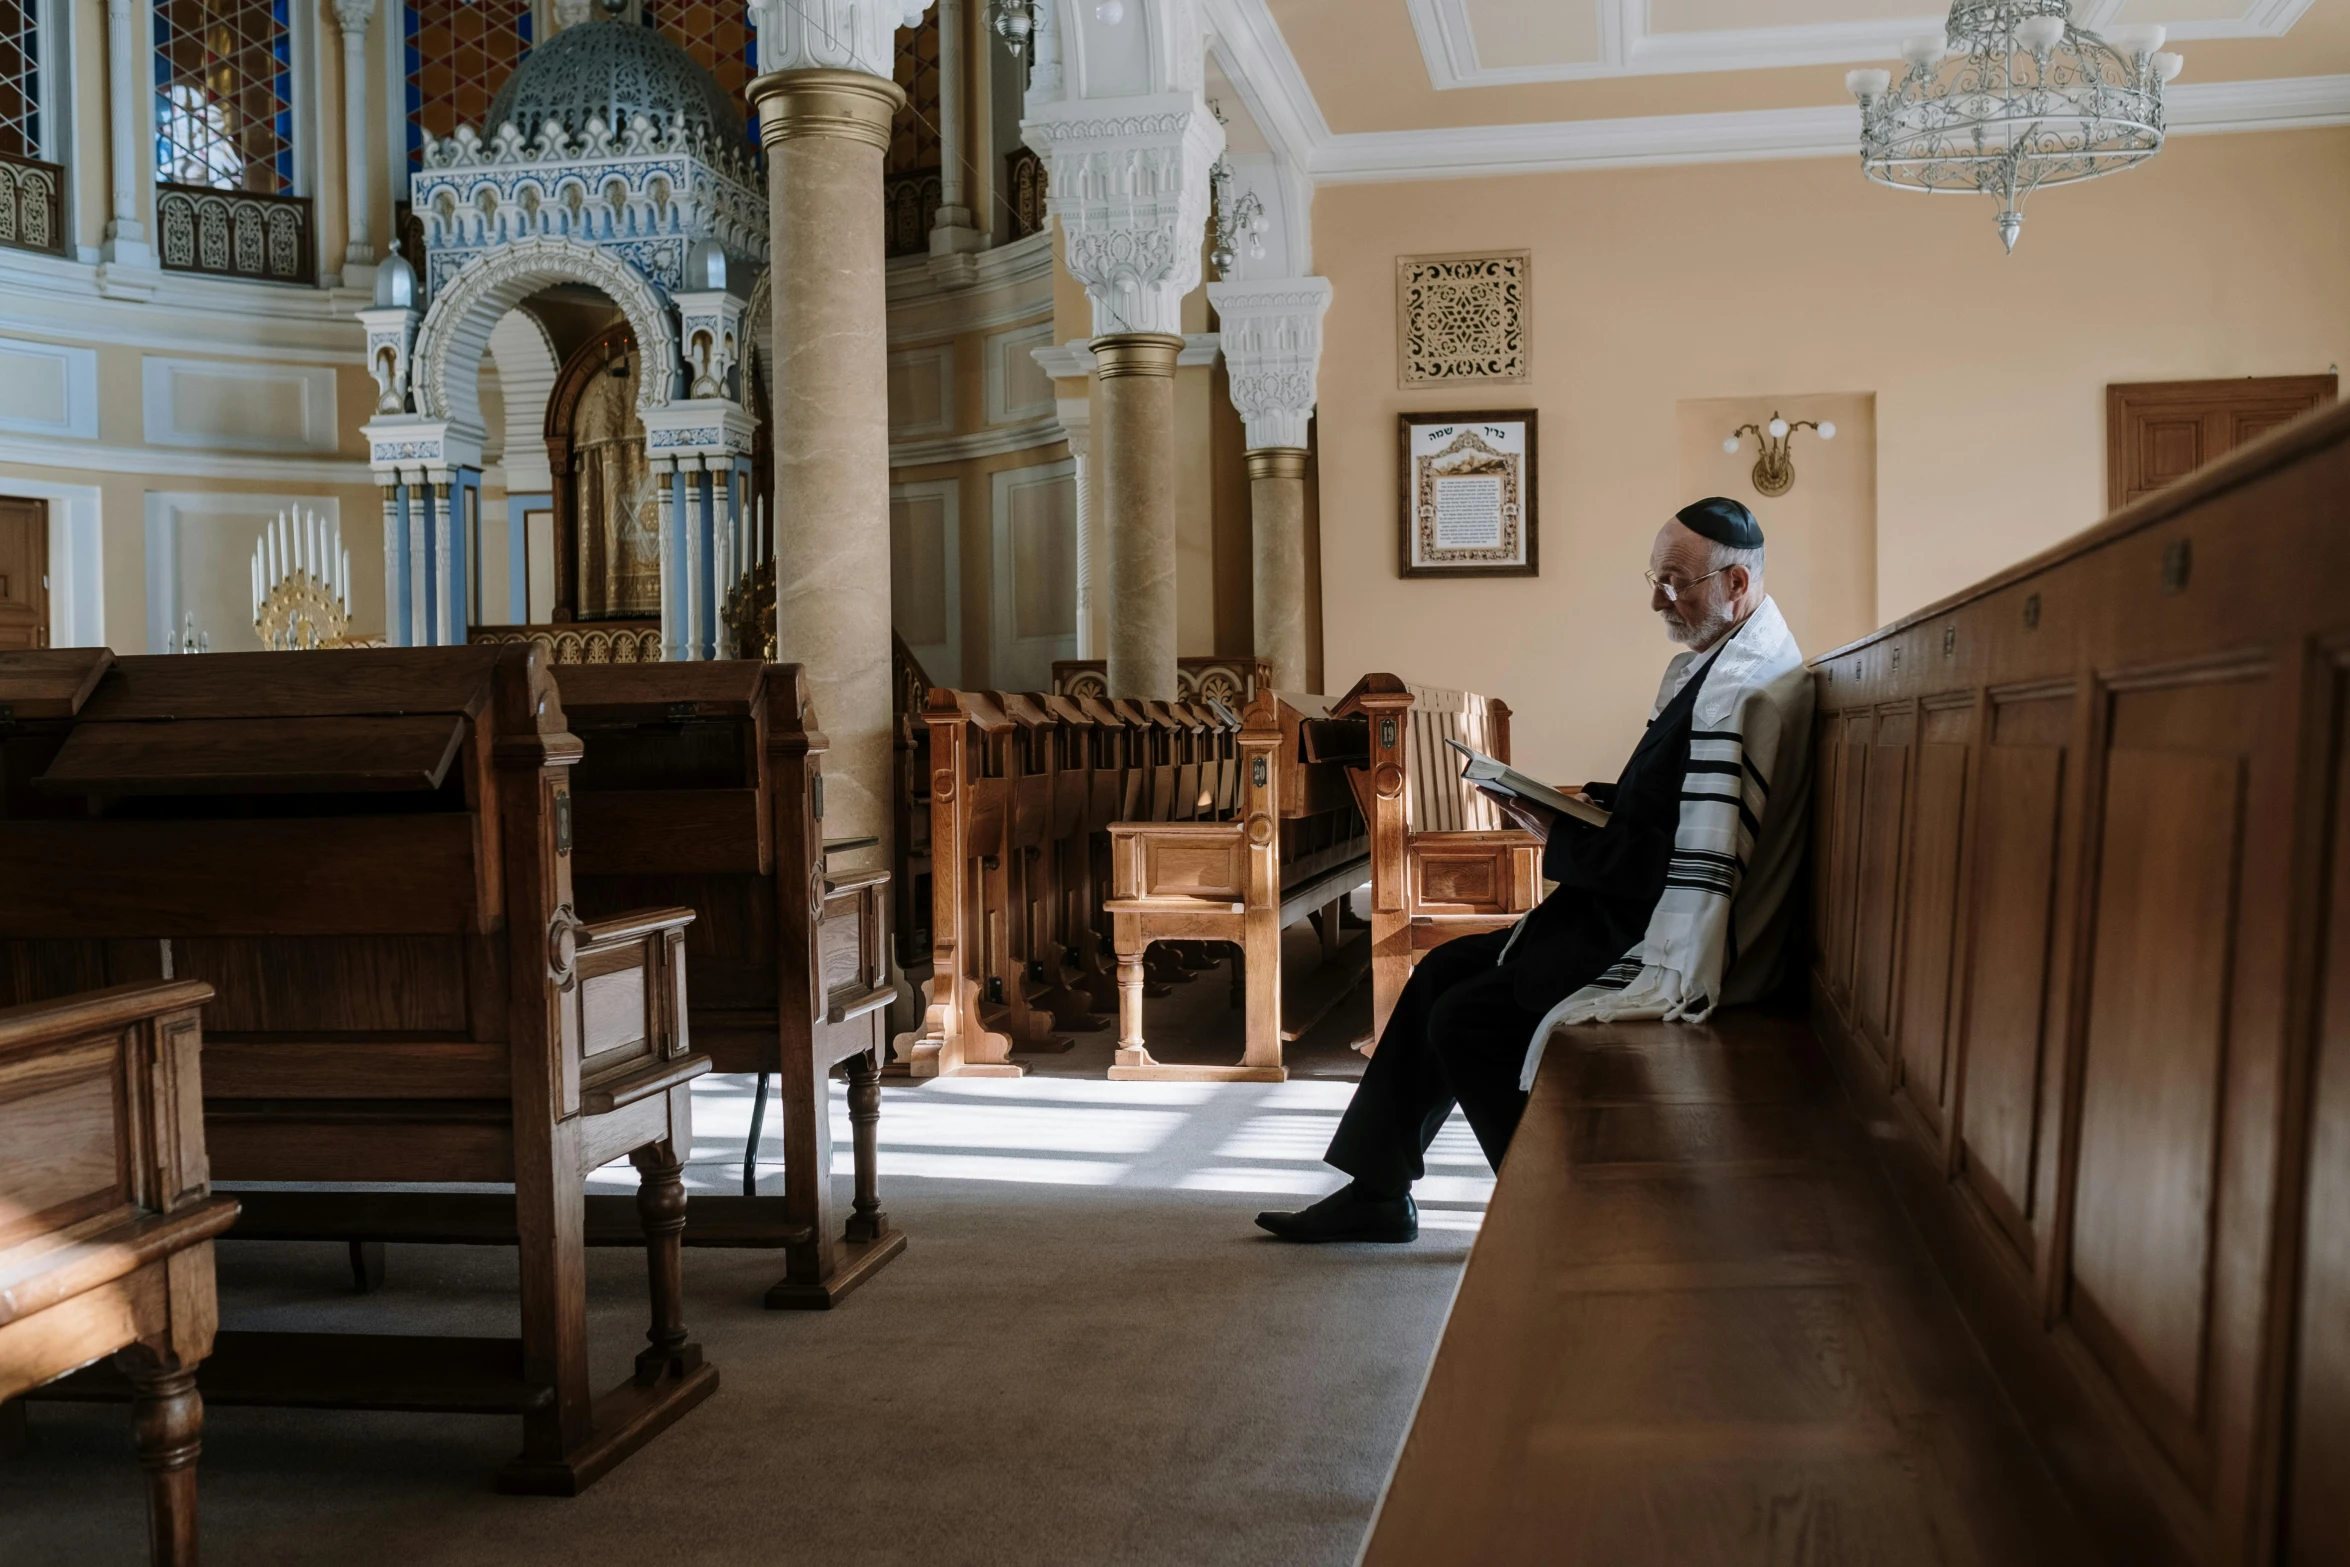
{"x":833,"y":35}
{"x":1129,"y":181}
{"x":822,"y":101}
{"x":1272,"y":333}
{"x":353,"y":16}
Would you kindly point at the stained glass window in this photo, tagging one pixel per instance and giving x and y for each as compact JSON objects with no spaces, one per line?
{"x":460,"y":53}
{"x":224,"y":94}
{"x":20,"y":78}
{"x":721,"y":41}
{"x":913,"y":139}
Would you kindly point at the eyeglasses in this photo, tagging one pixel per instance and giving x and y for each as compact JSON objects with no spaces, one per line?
{"x":1672,"y":590}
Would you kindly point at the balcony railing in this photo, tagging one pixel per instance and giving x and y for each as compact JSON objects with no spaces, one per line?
{"x":909,"y":205}
{"x":1024,"y":189}
{"x":235,"y":233}
{"x":32,"y":205}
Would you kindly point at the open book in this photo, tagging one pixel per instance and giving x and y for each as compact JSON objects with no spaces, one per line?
{"x":1501,"y":778}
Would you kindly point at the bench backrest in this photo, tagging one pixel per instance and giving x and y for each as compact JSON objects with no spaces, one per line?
{"x":367,"y":855}
{"x":2081,"y":863}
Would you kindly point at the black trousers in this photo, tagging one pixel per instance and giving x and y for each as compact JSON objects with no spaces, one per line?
{"x":1457,"y":1034}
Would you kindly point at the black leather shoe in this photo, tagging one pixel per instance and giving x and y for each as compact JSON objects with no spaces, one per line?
{"x":1348,"y":1215}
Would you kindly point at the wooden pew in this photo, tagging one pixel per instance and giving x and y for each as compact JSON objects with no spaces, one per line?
{"x":1443,"y":864}
{"x":702,"y":785}
{"x":107,"y":1220}
{"x":368,"y":856}
{"x":2083,"y":893}
{"x":1294,"y":844}
{"x":2081,"y":874}
{"x":963,"y":1032}
{"x":1696,"y":1328}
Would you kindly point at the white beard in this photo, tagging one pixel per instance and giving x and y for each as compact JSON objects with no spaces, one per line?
{"x":1703,"y":633}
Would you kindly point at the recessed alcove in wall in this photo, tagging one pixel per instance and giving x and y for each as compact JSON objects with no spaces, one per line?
{"x":200,"y":561}
{"x":1821,"y":536}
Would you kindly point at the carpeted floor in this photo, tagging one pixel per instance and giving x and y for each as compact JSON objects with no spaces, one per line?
{"x":1087,"y":1355}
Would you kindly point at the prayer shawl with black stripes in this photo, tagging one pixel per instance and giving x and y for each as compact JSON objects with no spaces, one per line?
{"x":1721,"y":925}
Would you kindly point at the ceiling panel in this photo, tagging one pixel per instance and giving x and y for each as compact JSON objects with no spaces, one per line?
{"x":1707,"y":16}
{"x":1535,"y":32}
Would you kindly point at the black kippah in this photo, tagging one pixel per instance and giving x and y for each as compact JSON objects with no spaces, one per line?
{"x":1722,"y":520}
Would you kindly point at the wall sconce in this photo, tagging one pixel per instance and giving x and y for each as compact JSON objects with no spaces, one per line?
{"x":1774,"y":470}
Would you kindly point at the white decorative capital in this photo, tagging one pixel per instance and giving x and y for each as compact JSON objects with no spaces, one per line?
{"x":1129,"y":182}
{"x":1272,"y":351}
{"x":352,"y":16}
{"x":833,"y":35}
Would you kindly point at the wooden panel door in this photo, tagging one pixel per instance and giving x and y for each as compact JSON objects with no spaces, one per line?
{"x":2153,"y":1075}
{"x":2007,"y":958}
{"x":2157,"y":432}
{"x":24,"y":573}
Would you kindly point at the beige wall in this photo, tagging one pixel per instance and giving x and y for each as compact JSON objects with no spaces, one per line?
{"x":2228,"y":255}
{"x":1821,"y":560}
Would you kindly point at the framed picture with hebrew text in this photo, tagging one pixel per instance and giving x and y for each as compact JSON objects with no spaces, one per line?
{"x":1467,"y":507}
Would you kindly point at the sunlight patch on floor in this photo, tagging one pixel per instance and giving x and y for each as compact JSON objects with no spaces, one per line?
{"x":1258,"y":1138}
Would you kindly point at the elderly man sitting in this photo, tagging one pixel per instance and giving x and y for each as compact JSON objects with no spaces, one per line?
{"x":1680,"y":903}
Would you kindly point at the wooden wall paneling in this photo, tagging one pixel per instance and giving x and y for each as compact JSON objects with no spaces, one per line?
{"x":1851,"y":807}
{"x":2005,"y":983}
{"x":2316,"y":1527}
{"x":2155,"y":1037}
{"x":1924,"y":1026}
{"x":1878,"y":876}
{"x":2158,"y":432}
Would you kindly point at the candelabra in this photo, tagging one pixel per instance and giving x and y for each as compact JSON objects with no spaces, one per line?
{"x":301,"y":583}
{"x":1774,"y":469}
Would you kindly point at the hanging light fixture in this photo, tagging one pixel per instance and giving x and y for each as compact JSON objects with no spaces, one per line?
{"x":1015,"y":24}
{"x":2012,"y":96}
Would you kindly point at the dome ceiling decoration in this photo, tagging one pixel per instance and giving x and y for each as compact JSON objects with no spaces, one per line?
{"x":609,"y":70}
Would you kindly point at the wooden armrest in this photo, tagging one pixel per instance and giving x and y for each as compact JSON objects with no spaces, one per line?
{"x":29,"y":1285}
{"x":654,"y":1077}
{"x":845,"y":1010}
{"x":633,"y":925}
{"x":853,"y":881}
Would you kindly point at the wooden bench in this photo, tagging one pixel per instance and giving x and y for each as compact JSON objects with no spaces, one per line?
{"x":368,"y":856}
{"x":2083,"y":911}
{"x":1443,"y":863}
{"x":702,"y":785}
{"x":1696,"y":1328}
{"x":2082,"y":928}
{"x":107,"y":1219}
{"x":1292,"y":845}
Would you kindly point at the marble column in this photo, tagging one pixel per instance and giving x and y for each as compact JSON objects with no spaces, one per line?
{"x":353,"y":17}
{"x":1137,"y":371}
{"x":1277,"y":523}
{"x":825,"y":131}
{"x":1271,"y":333}
{"x":955,"y":229}
{"x":1076,"y":416}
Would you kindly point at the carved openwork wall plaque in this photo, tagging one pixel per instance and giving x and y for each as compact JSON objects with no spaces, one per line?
{"x":1463,"y":319}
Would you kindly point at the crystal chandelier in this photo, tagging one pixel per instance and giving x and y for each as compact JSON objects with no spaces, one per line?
{"x":2011,"y":97}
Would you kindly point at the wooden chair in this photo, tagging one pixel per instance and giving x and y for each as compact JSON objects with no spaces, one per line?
{"x":1294,"y":845}
{"x":107,"y":1220}
{"x":1443,"y":864}
{"x":703,"y":785}
{"x":368,"y":856}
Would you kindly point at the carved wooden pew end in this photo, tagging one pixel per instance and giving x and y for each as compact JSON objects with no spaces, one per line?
{"x":107,"y":1220}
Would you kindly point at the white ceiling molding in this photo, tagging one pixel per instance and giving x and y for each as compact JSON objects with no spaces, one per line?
{"x":1368,"y":157}
{"x":1448,"y":41}
{"x":1254,"y":55}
